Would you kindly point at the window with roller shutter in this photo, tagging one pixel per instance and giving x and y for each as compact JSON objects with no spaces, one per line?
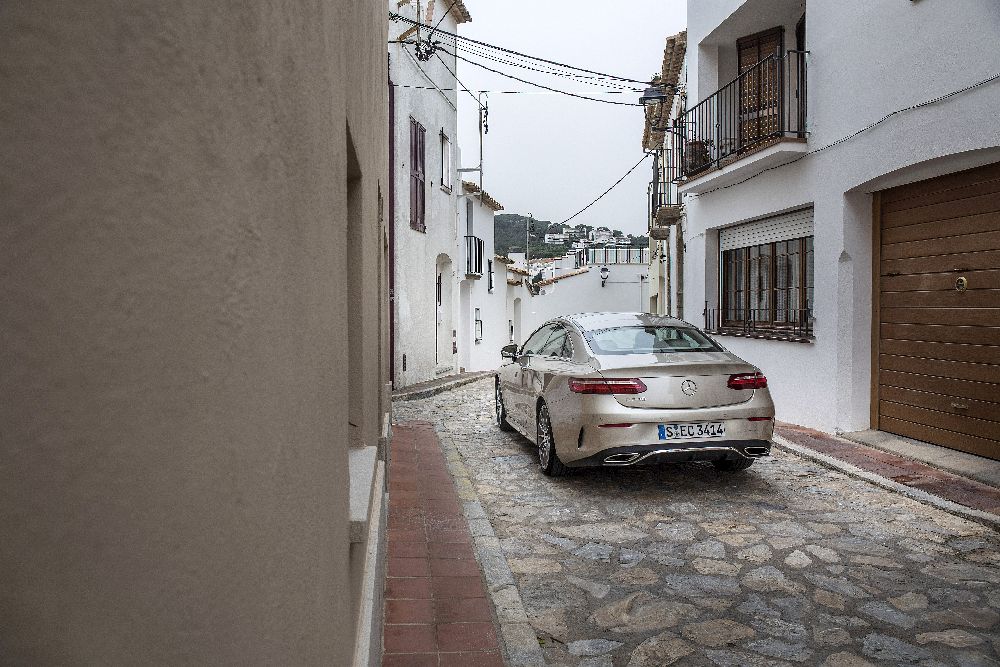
{"x":767,"y":276}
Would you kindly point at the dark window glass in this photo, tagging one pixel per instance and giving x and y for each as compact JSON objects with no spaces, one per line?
{"x":768,"y":285}
{"x":555,"y":343}
{"x":649,"y":340}
{"x":537,"y":340}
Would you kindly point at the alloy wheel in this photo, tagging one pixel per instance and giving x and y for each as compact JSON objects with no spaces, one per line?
{"x":544,"y":437}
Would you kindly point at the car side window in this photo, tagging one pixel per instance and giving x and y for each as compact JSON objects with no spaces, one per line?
{"x":567,"y":351}
{"x":537,"y":340}
{"x":555,"y":344}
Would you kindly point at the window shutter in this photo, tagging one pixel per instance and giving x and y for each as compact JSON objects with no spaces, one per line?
{"x":422,"y":159}
{"x":792,"y":225}
{"x":414,"y":181}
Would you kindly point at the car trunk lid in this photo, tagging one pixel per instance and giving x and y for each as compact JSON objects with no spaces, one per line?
{"x":678,"y":380}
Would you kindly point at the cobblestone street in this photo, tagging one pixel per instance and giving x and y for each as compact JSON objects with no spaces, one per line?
{"x":787,"y":563}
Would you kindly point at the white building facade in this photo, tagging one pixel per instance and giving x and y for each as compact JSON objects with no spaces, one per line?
{"x":621,"y":287}
{"x":427,"y":253}
{"x":835,"y":235}
{"x":484,"y":326}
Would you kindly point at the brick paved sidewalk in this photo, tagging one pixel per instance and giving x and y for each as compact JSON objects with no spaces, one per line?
{"x":898,"y":468}
{"x":437,"y":612}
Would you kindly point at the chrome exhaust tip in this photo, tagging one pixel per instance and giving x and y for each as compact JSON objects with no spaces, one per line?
{"x":622,"y":459}
{"x":756,"y":451}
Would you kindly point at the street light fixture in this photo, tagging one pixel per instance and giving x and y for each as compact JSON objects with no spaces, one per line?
{"x":655,"y":94}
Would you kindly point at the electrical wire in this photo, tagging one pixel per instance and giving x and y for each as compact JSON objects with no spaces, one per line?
{"x":582,"y":78}
{"x":438,"y":25}
{"x":539,"y":85}
{"x":866,"y":128}
{"x":613,"y":186}
{"x":397,"y":17}
{"x":455,"y":76}
{"x":510,"y":92}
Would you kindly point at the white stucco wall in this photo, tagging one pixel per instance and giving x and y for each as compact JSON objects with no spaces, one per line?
{"x":858,"y":73}
{"x":483,"y":354}
{"x":417,"y":253}
{"x":624,"y":291}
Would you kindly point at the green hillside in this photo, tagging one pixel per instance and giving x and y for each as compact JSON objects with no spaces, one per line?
{"x":508,"y":235}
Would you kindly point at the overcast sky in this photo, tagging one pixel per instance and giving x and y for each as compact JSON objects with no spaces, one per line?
{"x":549,"y":154}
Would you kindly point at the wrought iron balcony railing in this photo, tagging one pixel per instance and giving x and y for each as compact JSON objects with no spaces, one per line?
{"x":763,"y":105}
{"x":474,"y":249}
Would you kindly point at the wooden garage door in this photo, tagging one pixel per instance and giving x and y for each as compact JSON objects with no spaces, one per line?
{"x":938,"y":311}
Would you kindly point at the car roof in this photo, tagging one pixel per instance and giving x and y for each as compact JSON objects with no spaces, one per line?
{"x":592,"y":321}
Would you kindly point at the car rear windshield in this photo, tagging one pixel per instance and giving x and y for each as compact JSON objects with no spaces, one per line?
{"x":649,"y":340}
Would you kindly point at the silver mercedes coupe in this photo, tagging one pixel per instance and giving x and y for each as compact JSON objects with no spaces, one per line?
{"x":620,"y":389}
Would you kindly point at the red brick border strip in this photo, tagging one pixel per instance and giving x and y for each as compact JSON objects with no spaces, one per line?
{"x":900,"y":469}
{"x":437,"y":612}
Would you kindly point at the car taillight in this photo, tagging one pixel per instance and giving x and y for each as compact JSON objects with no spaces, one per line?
{"x":747,"y":381}
{"x":611,"y":386}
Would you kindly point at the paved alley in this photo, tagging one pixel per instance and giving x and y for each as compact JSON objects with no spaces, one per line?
{"x":787,"y":563}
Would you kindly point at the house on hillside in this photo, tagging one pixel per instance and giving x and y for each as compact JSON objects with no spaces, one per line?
{"x":427,"y":252}
{"x":842,"y":194}
{"x":483,"y":322}
{"x":601,"y":235}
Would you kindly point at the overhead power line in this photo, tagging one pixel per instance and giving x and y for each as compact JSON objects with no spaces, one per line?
{"x":582,"y":78}
{"x":459,"y":82}
{"x":514,"y":92}
{"x":870,"y":126}
{"x":398,"y":17}
{"x":613,"y":186}
{"x":438,"y":24}
{"x":539,"y":85}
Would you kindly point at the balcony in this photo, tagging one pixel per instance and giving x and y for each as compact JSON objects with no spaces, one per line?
{"x":664,"y":202}
{"x":754,"y":122}
{"x":474,"y":248}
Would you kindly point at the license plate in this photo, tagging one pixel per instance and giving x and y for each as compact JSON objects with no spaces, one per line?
{"x":692,"y":431}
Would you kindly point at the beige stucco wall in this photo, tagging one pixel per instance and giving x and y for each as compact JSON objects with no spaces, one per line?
{"x":174,"y":390}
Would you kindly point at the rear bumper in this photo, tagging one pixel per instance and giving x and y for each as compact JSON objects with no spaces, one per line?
{"x":664,"y":452}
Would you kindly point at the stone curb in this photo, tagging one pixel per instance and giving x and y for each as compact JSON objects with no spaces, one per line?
{"x":518,"y":637}
{"x":942,"y":465}
{"x":978,"y":516}
{"x":405,"y":395}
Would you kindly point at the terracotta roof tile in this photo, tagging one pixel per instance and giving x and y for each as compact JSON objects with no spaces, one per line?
{"x":656,"y":114}
{"x":473,"y":189}
{"x":570,"y":274}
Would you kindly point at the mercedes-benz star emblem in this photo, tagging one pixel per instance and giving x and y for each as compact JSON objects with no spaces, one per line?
{"x":689,"y":387}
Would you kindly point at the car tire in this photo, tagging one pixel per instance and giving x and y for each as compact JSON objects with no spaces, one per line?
{"x":501,"y":409}
{"x":548,"y":460}
{"x":732,"y":465}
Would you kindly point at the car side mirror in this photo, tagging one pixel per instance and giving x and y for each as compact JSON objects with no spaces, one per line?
{"x":509,"y":351}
